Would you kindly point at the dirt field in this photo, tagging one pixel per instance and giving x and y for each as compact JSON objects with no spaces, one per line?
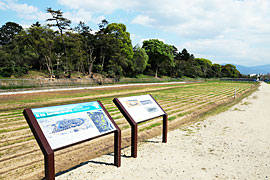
{"x":21,"y":158}
{"x":232,"y":145}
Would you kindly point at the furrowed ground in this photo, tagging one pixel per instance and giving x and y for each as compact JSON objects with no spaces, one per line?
{"x":21,"y":157}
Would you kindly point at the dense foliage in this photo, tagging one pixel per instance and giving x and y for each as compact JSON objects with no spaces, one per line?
{"x":62,"y":50}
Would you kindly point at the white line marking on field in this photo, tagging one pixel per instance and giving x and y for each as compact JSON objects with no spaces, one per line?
{"x":81,"y":88}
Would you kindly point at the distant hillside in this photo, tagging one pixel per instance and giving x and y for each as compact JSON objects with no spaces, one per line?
{"x":263,"y":69}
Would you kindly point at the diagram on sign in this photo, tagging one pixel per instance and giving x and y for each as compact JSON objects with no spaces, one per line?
{"x":141,"y":107}
{"x":67,"y":124}
{"x":100,"y":121}
{"x":132,"y":103}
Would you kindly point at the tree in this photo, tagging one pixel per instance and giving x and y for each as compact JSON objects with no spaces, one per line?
{"x":186,"y":65}
{"x":37,"y":24}
{"x":19,"y":54}
{"x":184,"y":55}
{"x":216,"y":68}
{"x":229,"y":70}
{"x":89,"y":44}
{"x":62,"y":24}
{"x":75,"y":52}
{"x":8,"y":31}
{"x":43,"y":41}
{"x":160,"y":55}
{"x":102,"y":44}
{"x":140,"y":59}
{"x":121,"y":60}
{"x":5,"y":63}
{"x":206,"y":67}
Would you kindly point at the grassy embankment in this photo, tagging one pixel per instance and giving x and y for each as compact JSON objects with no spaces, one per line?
{"x":39,"y":80}
{"x":20,"y":156}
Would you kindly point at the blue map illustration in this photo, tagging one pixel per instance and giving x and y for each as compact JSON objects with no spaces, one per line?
{"x":100,"y":120}
{"x":67,"y":124}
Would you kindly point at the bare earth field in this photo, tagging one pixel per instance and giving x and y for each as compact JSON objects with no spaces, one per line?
{"x":21,"y":158}
{"x":231,"y":145}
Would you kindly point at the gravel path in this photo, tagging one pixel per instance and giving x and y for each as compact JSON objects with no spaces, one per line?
{"x":232,"y":145}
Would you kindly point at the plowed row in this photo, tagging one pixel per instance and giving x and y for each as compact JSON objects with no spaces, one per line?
{"x":21,"y":158}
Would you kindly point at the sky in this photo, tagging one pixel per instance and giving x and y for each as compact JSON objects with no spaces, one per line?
{"x":223,"y":31}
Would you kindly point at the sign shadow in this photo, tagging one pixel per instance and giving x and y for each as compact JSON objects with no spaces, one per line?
{"x":80,"y":165}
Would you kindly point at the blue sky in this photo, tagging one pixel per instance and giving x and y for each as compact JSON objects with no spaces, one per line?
{"x":224,"y":31}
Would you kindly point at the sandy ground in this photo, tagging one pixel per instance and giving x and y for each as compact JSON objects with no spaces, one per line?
{"x":232,"y":145}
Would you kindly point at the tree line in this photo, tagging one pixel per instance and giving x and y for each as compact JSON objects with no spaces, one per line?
{"x":59,"y":50}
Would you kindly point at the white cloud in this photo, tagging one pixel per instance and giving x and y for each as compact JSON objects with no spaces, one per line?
{"x":25,"y":25}
{"x":143,"y":20}
{"x":104,"y":6}
{"x":134,"y":37}
{"x":22,"y":8}
{"x":234,"y":51}
{"x":77,"y":16}
{"x":3,"y":5}
{"x":82,"y":15}
{"x":25,"y":11}
{"x":197,"y":18}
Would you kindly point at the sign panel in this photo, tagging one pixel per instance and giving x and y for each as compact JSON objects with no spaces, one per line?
{"x":68,"y":124}
{"x":141,"y":108}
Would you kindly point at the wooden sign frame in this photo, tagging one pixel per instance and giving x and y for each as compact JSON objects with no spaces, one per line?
{"x":134,"y":125}
{"x":48,"y":152}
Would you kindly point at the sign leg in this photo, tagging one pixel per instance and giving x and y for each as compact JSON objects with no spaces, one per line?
{"x":49,"y":166}
{"x":134,"y":140}
{"x":117,"y":148}
{"x":165,"y":128}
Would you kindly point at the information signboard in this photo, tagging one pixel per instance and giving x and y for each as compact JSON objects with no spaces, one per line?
{"x":58,"y":127}
{"x":137,"y":109}
{"x":68,"y":124}
{"x":141,"y":108}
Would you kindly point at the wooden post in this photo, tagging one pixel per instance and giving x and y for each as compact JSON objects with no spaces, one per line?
{"x":165,"y":128}
{"x":134,"y":140}
{"x":117,"y":148}
{"x":43,"y":144}
{"x":49,"y":166}
{"x":117,"y":138}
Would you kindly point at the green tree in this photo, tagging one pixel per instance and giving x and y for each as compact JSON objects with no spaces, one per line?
{"x":8,"y":31}
{"x":36,"y":24}
{"x":185,"y":56}
{"x":185,"y":65}
{"x":89,"y":45}
{"x":121,"y":59}
{"x":5,"y":63}
{"x":206,"y":67}
{"x":18,"y":55}
{"x":160,"y":55}
{"x":102,"y":45}
{"x":216,"y":68}
{"x":62,"y":24}
{"x":140,"y":60}
{"x":229,"y":70}
{"x":76,"y":52}
{"x":42,"y":40}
